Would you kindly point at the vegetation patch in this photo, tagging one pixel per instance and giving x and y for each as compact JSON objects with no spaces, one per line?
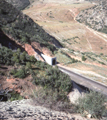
{"x":9,"y":57}
{"x":93,"y":103}
{"x":15,"y":96}
{"x":22,"y":28}
{"x":43,"y":75}
{"x":51,"y":99}
{"x":63,"y":57}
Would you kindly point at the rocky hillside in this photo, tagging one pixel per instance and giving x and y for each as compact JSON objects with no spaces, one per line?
{"x":19,"y":4}
{"x":95,"y":17}
{"x":23,"y":29}
{"x":18,"y":110}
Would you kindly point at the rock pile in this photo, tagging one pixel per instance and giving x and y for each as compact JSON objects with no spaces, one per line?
{"x":25,"y":110}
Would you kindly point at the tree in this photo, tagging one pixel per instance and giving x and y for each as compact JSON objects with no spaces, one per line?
{"x":15,"y":58}
{"x":28,"y":65}
{"x":32,"y":59}
{"x":23,"y":57}
{"x":83,"y":58}
{"x":18,"y":51}
{"x":21,"y":73}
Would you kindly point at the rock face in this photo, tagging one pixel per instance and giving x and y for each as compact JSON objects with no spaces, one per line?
{"x":23,"y":110}
{"x":32,"y":52}
{"x":76,"y":93}
{"x":95,"y":17}
{"x":19,"y":4}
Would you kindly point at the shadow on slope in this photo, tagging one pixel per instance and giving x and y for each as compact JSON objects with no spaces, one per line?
{"x":6,"y":41}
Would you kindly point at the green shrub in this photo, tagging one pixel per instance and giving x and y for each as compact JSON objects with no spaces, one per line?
{"x":101,"y":53}
{"x":13,"y":71}
{"x":28,"y":65}
{"x":51,"y":99}
{"x":93,"y":103}
{"x":21,"y":73}
{"x":102,"y":63}
{"x":15,"y":96}
{"x":56,"y":80}
{"x":83,"y":58}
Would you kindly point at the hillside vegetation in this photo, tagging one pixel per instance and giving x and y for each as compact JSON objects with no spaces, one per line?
{"x":22,"y":28}
{"x":25,"y":77}
{"x":19,"y":66}
{"x":51,"y":82}
{"x":95,"y":17}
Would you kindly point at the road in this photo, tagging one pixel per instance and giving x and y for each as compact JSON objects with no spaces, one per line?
{"x":86,"y":82}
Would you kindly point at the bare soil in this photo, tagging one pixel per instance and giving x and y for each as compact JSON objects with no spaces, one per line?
{"x":22,"y":86}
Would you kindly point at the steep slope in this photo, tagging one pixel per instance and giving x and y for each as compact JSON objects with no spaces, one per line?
{"x":6,"y":41}
{"x":22,"y":29}
{"x":95,"y":17}
{"x":19,"y":4}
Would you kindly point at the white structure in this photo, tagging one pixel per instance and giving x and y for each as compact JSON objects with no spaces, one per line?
{"x":49,"y":60}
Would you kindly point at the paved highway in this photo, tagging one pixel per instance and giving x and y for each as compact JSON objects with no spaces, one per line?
{"x":91,"y":84}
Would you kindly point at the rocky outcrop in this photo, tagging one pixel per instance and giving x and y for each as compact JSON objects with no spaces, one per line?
{"x":24,"y":110}
{"x":35,"y":49}
{"x":29,"y":49}
{"x":95,"y":17}
{"x":76,"y":93}
{"x":19,"y":4}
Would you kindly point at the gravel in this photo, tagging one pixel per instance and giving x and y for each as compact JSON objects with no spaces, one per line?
{"x":26,"y":110}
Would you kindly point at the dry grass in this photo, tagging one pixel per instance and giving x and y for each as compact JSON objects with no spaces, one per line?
{"x":59,"y":21}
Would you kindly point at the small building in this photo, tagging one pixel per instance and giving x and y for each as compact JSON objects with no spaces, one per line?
{"x":49,"y":60}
